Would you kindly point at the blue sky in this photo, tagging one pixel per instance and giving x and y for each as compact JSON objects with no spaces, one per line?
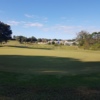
{"x":61,"y":19}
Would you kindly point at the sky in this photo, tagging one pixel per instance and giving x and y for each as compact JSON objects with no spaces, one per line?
{"x":60,"y":19}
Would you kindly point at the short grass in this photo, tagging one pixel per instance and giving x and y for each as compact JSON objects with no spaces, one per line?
{"x":43,"y":72}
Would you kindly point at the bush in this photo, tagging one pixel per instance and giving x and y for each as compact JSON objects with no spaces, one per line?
{"x":95,"y":46}
{"x":53,"y":42}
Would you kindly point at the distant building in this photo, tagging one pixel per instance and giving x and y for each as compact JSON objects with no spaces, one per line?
{"x":70,"y":43}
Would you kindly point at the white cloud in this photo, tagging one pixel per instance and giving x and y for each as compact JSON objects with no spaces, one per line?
{"x":25,"y":24}
{"x":65,"y":29}
{"x":59,"y":28}
{"x":32,"y":16}
{"x":74,"y":29}
{"x":37,"y":18}
{"x":29,"y":16}
{"x":34,"y":25}
{"x":13,"y":23}
{"x":65,"y":19}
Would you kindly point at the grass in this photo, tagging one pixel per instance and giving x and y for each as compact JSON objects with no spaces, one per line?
{"x":48,"y":73}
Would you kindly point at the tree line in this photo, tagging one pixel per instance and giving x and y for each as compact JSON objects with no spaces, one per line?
{"x":85,"y":40}
{"x":23,"y":39}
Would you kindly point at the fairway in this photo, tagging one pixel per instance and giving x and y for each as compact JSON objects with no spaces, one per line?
{"x":28,"y":73}
{"x":49,"y":61}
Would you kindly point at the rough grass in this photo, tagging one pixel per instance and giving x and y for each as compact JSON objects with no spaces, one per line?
{"x":48,"y":73}
{"x":42,"y":87}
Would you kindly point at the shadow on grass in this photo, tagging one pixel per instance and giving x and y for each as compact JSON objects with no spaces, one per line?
{"x":44,"y":77}
{"x":27,"y":47}
{"x":46,"y":64}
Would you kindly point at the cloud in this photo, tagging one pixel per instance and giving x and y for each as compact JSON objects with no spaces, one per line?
{"x":29,"y":16}
{"x":57,"y":28}
{"x":65,"y":29}
{"x":67,"y":19}
{"x":74,"y":29}
{"x":32,"y":16}
{"x":25,"y":24}
{"x":37,"y":18}
{"x":60,"y":29}
{"x":34,"y":25}
{"x":13,"y":23}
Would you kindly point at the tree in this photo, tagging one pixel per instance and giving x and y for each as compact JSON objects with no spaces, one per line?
{"x":39,"y":40}
{"x":33,"y":39}
{"x":21,"y":39}
{"x":84,"y":38}
{"x":5,"y":32}
{"x":95,"y":37}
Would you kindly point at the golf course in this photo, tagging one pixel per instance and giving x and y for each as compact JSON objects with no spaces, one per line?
{"x":47,"y":72}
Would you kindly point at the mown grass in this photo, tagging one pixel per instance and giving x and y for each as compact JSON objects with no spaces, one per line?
{"x":48,"y":74}
{"x":39,"y":46}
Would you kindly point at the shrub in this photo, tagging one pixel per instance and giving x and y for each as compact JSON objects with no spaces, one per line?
{"x":95,"y":46}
